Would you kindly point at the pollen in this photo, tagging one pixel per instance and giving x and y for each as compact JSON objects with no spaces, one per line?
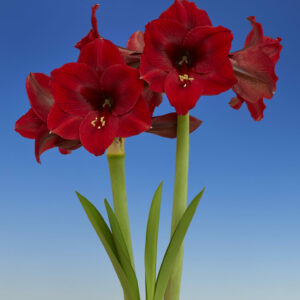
{"x":94,"y":122}
{"x":102,"y":121}
{"x":98,"y":123}
{"x":185,"y":77}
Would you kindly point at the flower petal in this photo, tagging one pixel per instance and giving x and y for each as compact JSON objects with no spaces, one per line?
{"x":100,"y":54}
{"x":39,"y":94}
{"x":166,"y":125}
{"x":97,"y":137}
{"x":63,"y":124}
{"x":136,"y":121}
{"x":76,"y":88}
{"x":236,"y":102}
{"x":153,"y":99}
{"x":67,"y":146}
{"x":209,"y":47}
{"x":136,"y":42}
{"x":154,"y":77}
{"x":183,"y":95}
{"x":256,"y":34}
{"x":29,"y":125}
{"x":256,"y":109}
{"x":93,"y":33}
{"x":45,"y":141}
{"x":163,"y":38}
{"x":123,"y":86}
{"x":255,"y":74}
{"x":219,"y":81}
{"x":186,"y":13}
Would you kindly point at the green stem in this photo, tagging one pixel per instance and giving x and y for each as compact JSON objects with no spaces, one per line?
{"x":179,"y":199}
{"x":116,"y":162}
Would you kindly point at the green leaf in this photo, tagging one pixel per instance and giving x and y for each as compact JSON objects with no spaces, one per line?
{"x":151,"y":243}
{"x":173,"y":248}
{"x":107,"y":240}
{"x":122,"y":250}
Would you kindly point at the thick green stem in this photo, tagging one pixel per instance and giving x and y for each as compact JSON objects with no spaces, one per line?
{"x":116,"y":163}
{"x":179,"y":199}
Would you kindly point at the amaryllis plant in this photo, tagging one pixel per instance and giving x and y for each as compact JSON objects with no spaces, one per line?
{"x":111,"y":92}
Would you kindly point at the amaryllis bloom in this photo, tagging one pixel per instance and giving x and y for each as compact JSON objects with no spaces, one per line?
{"x":185,"y":57}
{"x":33,"y":124}
{"x":164,"y":125}
{"x":98,"y":99}
{"x":254,"y":68}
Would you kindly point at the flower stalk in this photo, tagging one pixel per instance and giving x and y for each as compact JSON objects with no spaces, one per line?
{"x":116,"y":163}
{"x":179,"y":199}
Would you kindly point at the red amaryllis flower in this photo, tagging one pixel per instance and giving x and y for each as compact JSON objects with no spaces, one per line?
{"x":33,"y":124}
{"x":254,"y":68}
{"x":164,"y":125}
{"x":185,"y":57}
{"x":98,"y":98}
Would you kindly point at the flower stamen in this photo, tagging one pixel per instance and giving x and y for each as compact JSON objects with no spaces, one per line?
{"x":94,"y":122}
{"x":185,"y":77}
{"x":107,"y":103}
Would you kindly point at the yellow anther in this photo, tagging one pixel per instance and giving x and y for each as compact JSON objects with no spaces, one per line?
{"x":94,"y":122}
{"x":185,"y":77}
{"x":102,"y":120}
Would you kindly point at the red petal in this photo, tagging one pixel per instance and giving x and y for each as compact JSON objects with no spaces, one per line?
{"x":183,"y":95}
{"x":236,"y":102}
{"x":136,"y":41}
{"x":153,"y":99}
{"x":166,"y":125}
{"x":154,"y":77}
{"x":29,"y":125}
{"x":162,"y":39}
{"x":45,"y":141}
{"x":93,"y":33}
{"x":76,"y":88}
{"x":67,"y":146}
{"x":256,"y":109}
{"x":187,"y":13}
{"x":136,"y":121}
{"x":255,"y":74}
{"x":39,"y":94}
{"x":256,"y":34}
{"x":122,"y":84}
{"x":100,"y":54}
{"x":209,"y":47}
{"x":63,"y":124}
{"x":219,"y":81}
{"x":272,"y":48}
{"x":94,"y":139}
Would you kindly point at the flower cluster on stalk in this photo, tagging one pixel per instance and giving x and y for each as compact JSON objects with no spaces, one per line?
{"x":111,"y":91}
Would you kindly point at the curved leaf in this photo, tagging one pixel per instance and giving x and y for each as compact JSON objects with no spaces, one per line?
{"x":174,"y":245}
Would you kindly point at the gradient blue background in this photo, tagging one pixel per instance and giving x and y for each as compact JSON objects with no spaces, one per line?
{"x":244,"y":241}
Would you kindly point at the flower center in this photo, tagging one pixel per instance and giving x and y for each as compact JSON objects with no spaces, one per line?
{"x":183,"y":60}
{"x":99,"y":122}
{"x":107,"y":103}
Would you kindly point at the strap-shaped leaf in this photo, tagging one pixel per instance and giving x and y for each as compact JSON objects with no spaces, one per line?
{"x":122,"y":250}
{"x":174,"y":245}
{"x":107,"y":240}
{"x":151,"y":243}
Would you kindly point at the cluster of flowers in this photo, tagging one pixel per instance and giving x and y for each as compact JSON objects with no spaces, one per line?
{"x":111,"y":92}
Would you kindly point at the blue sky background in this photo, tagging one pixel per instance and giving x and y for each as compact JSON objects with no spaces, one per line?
{"x":244,"y":241}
